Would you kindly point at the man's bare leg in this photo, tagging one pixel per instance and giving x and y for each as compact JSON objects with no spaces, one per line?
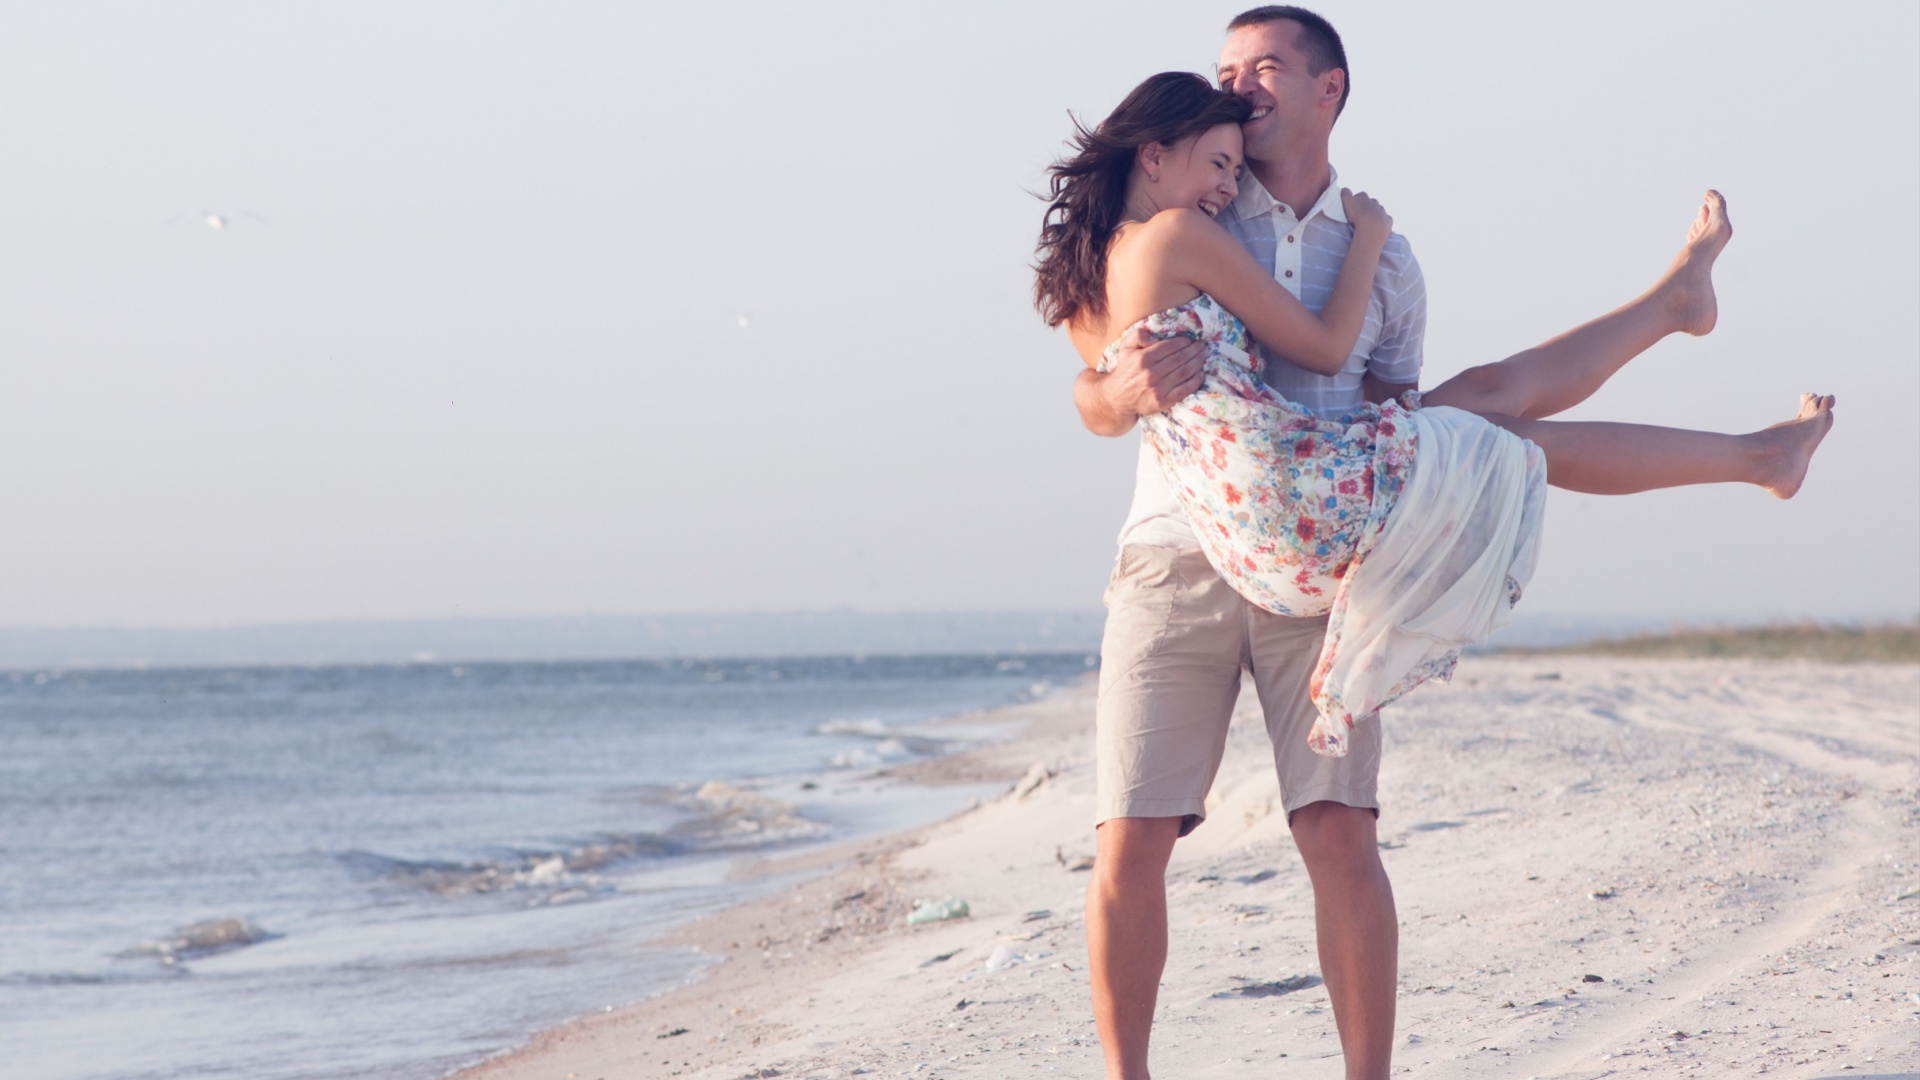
{"x":1565,"y":371}
{"x":1127,"y":936}
{"x":1359,"y":933}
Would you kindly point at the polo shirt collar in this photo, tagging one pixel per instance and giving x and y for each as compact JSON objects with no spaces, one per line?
{"x":1254,"y":201}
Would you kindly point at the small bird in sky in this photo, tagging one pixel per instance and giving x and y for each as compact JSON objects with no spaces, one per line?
{"x":218,"y":221}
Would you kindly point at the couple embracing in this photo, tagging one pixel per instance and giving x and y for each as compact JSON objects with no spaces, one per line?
{"x":1302,"y":510}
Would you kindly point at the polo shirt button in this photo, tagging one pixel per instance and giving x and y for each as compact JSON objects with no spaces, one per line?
{"x":1289,"y":238}
{"x":1289,"y":273}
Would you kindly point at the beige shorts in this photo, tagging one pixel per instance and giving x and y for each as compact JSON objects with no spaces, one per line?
{"x":1177,"y":637}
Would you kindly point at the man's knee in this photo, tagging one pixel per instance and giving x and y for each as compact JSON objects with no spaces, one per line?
{"x":1135,"y":849}
{"x":1335,"y":836}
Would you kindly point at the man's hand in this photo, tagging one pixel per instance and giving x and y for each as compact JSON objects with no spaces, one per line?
{"x":1149,"y":376}
{"x":1380,"y":392}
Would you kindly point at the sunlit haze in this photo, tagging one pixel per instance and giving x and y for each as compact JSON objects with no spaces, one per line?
{"x":360,"y":311}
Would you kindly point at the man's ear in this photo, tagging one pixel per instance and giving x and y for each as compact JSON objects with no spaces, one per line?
{"x":1333,"y":83}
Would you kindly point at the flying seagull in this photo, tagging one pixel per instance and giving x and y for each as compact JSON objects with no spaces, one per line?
{"x":218,"y":221}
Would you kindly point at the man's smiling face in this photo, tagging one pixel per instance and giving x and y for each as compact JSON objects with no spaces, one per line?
{"x":1262,"y":64}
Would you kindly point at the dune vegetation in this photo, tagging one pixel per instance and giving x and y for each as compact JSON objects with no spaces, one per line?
{"x":1887,"y":643}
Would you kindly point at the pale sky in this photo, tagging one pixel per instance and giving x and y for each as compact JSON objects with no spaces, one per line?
{"x":484,"y":354}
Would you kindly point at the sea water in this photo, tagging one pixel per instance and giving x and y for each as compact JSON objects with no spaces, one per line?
{"x":394,"y":871}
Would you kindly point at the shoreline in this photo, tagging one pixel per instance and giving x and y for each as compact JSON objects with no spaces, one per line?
{"x":858,"y":884}
{"x":1728,"y":846}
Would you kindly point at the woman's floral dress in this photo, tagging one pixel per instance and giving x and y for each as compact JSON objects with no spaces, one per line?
{"x":1294,"y":510}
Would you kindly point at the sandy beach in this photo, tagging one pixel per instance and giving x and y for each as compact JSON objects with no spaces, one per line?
{"x":1603,"y":867}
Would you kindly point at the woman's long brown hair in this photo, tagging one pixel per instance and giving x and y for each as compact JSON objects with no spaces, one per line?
{"x":1089,"y":189}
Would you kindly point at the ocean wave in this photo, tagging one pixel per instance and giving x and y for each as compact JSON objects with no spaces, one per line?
{"x":83,"y":978}
{"x":201,"y":939}
{"x":888,"y":744}
{"x":734,"y":817}
{"x":872,"y":729}
{"x":883,"y":752}
{"x":720,"y":817}
{"x":1034,"y":692}
{"x":554,"y":876}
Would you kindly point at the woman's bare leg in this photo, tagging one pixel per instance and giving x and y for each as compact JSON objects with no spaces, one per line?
{"x":1620,"y":459}
{"x":1559,"y":374}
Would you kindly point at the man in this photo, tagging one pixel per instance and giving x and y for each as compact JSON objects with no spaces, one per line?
{"x":1177,"y":635}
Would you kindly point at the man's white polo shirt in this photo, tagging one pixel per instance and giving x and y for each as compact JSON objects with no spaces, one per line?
{"x":1305,"y":256}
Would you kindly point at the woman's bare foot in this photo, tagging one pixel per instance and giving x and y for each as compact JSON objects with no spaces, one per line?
{"x":1788,"y":446}
{"x":1689,"y":281}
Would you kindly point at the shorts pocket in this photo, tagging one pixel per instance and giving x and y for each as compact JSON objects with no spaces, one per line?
{"x":1140,"y":602}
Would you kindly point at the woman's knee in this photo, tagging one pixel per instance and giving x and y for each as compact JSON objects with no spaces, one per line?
{"x":1488,"y":388}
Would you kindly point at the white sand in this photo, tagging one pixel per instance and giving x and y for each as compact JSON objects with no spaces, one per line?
{"x":1731,"y":846}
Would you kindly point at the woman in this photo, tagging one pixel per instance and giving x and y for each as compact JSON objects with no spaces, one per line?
{"x":1413,"y":524}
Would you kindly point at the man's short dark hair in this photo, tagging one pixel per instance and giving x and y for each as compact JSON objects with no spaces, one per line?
{"x":1317,"y":39}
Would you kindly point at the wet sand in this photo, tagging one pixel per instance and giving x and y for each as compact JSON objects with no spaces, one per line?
{"x":1604,"y":867}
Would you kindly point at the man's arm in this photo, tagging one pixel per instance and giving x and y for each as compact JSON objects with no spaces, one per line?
{"x":1096,"y":413}
{"x":1148,"y":377}
{"x":1394,"y":365}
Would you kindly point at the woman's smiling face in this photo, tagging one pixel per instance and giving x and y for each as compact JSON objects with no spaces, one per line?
{"x":1201,"y":173}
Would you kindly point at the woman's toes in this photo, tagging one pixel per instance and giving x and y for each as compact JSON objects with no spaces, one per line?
{"x":1713,"y":217}
{"x":1690,"y":281}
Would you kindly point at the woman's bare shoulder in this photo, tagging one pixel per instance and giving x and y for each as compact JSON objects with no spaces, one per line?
{"x":1167,"y":233}
{"x":1177,"y":226}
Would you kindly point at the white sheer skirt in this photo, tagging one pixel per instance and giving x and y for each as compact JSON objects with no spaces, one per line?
{"x":1458,"y":547}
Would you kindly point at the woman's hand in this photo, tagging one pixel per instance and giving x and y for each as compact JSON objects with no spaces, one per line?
{"x":1365,"y":213}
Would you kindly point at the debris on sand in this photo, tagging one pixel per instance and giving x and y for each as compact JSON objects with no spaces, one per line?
{"x":940,"y":959}
{"x":1269,"y":988}
{"x":926,"y":911}
{"x":1037,"y":774}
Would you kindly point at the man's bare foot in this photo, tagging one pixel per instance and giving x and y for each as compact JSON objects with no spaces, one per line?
{"x":1788,"y":446}
{"x":1689,"y":282}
